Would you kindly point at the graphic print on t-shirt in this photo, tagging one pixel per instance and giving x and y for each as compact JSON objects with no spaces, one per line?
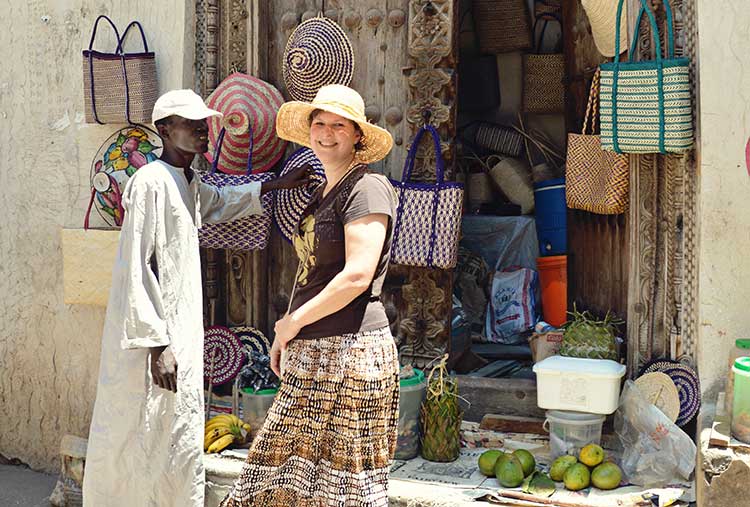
{"x":305,"y":246}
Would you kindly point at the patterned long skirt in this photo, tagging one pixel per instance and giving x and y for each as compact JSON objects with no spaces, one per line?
{"x":330,"y":435}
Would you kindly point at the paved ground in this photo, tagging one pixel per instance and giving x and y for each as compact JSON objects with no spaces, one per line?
{"x":21,"y":487}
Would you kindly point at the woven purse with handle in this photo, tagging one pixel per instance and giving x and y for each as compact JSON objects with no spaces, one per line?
{"x":119,"y":87}
{"x":597,"y":180}
{"x":543,"y":76}
{"x":246,"y":233}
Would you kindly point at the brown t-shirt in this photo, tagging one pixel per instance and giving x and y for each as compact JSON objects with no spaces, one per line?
{"x":320,"y":247}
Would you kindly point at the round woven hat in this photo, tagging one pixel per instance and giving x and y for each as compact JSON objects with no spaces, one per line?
{"x":660,"y":390}
{"x":223,"y":354}
{"x":687,"y":383}
{"x":293,"y":121}
{"x":318,"y":53}
{"x":290,"y":203}
{"x":248,"y":105}
{"x":602,"y":14}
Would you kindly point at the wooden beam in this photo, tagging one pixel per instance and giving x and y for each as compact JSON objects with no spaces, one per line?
{"x":505,"y":396}
{"x":512,"y":424}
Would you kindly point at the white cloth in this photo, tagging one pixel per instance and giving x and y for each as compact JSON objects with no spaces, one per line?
{"x":145,"y":445}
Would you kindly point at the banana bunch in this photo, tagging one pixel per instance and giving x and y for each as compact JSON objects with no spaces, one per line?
{"x":222,"y":430}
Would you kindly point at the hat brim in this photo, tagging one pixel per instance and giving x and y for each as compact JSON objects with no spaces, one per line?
{"x":194,"y":113}
{"x":293,"y":124}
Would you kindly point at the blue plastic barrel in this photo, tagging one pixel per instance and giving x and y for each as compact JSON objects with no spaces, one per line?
{"x":551,"y":217}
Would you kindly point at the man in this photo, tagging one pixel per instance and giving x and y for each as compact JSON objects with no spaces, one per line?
{"x":146,"y":439}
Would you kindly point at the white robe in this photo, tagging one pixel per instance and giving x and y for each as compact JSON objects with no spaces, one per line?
{"x":145,"y":445}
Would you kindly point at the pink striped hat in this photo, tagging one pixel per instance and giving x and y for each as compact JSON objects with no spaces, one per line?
{"x":249,"y":105}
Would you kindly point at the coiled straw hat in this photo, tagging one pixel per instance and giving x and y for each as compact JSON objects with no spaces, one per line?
{"x":602,"y":14}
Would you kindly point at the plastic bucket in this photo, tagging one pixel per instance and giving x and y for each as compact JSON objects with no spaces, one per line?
{"x":551,"y":217}
{"x":411,"y":393}
{"x":569,"y":431}
{"x":553,"y":278}
{"x":741,"y":399}
{"x":255,"y":406}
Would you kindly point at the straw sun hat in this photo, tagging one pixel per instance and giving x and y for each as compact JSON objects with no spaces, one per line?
{"x":293,"y":121}
{"x":602,"y":14}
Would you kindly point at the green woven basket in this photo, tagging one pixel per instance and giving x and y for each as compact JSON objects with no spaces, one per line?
{"x":646,"y":106}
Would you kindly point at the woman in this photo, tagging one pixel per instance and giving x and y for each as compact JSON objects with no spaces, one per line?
{"x":330,"y":435}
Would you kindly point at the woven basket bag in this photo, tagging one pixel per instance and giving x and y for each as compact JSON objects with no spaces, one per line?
{"x":247,"y":233}
{"x":503,"y":25}
{"x":543,"y":77}
{"x":646,"y":106}
{"x":119,"y":87}
{"x":597,"y":180}
{"x":428,"y":218}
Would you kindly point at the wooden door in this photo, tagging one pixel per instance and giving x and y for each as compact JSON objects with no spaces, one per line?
{"x":404,"y":67}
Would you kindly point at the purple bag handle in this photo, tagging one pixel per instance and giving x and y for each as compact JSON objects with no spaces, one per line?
{"x":118,"y":51}
{"x":125,"y":34}
{"x":440,"y":174}
{"x":217,"y":152}
{"x":409,"y":165}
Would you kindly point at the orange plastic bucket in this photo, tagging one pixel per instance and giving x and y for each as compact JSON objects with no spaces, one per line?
{"x":553,"y":277}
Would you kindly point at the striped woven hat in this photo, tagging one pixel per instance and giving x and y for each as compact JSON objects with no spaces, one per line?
{"x":290,"y":203}
{"x":318,"y":53}
{"x":248,"y":105}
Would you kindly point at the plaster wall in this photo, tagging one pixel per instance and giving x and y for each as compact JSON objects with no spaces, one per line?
{"x":724,"y":216}
{"x":49,"y":351}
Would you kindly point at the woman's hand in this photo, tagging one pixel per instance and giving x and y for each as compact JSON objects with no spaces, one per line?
{"x":275,"y":354}
{"x":286,"y":330}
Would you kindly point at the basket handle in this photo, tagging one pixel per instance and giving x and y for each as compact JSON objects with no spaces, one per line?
{"x":410,"y":158}
{"x":220,"y":142}
{"x":592,"y":108}
{"x":546,"y":17}
{"x":125,"y":34}
{"x":96,"y":25}
{"x":91,"y":69}
{"x":659,"y":63}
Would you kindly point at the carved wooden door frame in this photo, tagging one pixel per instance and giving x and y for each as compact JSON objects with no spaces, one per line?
{"x":663,"y":283}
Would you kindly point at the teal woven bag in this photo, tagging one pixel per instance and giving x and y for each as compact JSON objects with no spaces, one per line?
{"x":646,"y":106}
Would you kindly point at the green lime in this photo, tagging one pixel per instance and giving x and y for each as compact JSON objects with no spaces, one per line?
{"x":509,"y":472}
{"x":559,"y":466}
{"x":606,"y":476}
{"x":487,"y":462}
{"x":577,"y":477}
{"x":527,"y":461}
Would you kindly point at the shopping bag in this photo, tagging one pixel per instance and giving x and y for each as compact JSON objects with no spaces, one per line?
{"x":119,"y":87}
{"x":247,"y":233}
{"x":428,"y":218}
{"x":88,"y":258}
{"x":646,"y":107}
{"x":597,"y":180}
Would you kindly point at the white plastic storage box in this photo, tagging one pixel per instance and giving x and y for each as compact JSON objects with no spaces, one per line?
{"x":581,"y":385}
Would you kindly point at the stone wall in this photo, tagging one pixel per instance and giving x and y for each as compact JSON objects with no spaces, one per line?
{"x":49,"y":351}
{"x":724,"y":207}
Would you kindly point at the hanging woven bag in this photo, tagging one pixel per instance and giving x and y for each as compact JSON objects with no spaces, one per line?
{"x":597,"y":180}
{"x":646,"y":106}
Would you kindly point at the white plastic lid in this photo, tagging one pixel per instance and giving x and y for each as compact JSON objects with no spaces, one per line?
{"x":603,"y":368}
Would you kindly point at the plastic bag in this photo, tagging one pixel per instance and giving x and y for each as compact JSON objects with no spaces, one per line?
{"x":656,"y":452}
{"x":513,"y":306}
